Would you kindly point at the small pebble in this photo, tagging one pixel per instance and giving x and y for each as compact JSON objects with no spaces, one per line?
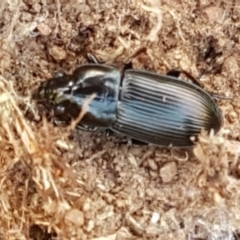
{"x":168,"y":172}
{"x":58,"y":53}
{"x":74,"y":216}
{"x":44,"y":29}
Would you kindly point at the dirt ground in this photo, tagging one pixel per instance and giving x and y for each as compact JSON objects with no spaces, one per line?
{"x":59,"y":183}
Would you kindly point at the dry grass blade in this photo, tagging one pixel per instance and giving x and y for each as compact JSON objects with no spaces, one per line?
{"x":83,"y":111}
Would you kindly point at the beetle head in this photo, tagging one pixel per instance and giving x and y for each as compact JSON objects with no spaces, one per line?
{"x":50,"y":92}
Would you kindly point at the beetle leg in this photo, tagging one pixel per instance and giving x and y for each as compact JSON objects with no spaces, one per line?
{"x":175,"y":72}
{"x":93,"y":59}
{"x":138,"y":142}
{"x":109,"y":132}
{"x":127,"y":66}
{"x":86,"y":128}
{"x":58,"y":73}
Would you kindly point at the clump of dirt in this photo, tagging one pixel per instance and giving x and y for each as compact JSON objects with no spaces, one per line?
{"x":59,"y":183}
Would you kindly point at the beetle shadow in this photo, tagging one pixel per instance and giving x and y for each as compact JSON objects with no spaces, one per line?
{"x":137,"y":142}
{"x":134,"y":142}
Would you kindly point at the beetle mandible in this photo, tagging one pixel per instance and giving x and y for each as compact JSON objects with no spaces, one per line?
{"x":152,"y":108}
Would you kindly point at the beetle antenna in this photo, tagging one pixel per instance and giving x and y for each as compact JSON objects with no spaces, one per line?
{"x":92,"y":58}
{"x":197,"y":82}
{"x":216,"y":95}
{"x":220,"y":96}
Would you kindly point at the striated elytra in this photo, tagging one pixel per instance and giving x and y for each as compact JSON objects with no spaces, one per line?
{"x":153,"y":108}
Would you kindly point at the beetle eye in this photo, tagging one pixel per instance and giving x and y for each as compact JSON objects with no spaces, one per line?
{"x":59,"y":110}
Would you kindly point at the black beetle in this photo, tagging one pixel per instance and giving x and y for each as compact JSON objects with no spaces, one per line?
{"x":149,"y":107}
